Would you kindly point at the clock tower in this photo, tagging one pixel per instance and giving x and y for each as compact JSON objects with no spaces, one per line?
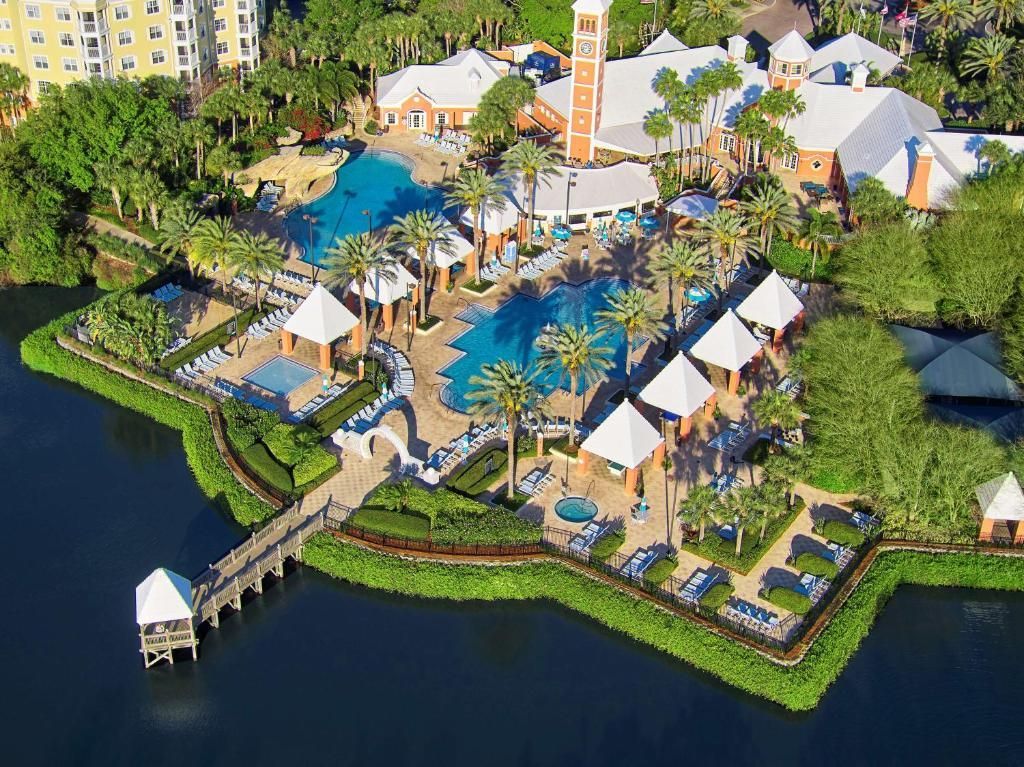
{"x":589,"y":49}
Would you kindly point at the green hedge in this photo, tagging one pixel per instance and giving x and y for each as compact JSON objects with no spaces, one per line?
{"x":316,"y":463}
{"x":714,"y":598}
{"x":289,"y":442}
{"x":331,"y":416}
{"x":472,"y":480}
{"x":659,"y":572}
{"x":40,"y":352}
{"x":842,"y":533}
{"x":245,"y":424}
{"x":607,"y":545}
{"x":792,"y":261}
{"x":720,"y":551}
{"x":788,"y":599}
{"x":218,"y":336}
{"x":392,"y":523}
{"x":815,"y":565}
{"x":262,"y":462}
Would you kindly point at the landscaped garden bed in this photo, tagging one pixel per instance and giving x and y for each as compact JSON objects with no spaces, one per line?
{"x":723,"y":552}
{"x":477,"y":287}
{"x":327,"y":420}
{"x":218,"y":336}
{"x":788,"y":599}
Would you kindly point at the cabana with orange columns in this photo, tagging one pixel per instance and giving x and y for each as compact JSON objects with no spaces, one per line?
{"x":322,"y":319}
{"x":625,"y":439}
{"x":1002,"y":510}
{"x":445,"y":255}
{"x":730,"y":346}
{"x":773,"y":305}
{"x":388,"y":291}
{"x":500,"y":226}
{"x":679,"y":391}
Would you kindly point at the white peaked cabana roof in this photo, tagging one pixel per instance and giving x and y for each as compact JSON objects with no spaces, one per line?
{"x":383,"y":289}
{"x":163,"y":596}
{"x":625,"y":437}
{"x":728,"y":344}
{"x":458,"y":248}
{"x":321,"y":318}
{"x":494,"y":221}
{"x":678,"y":389}
{"x":1001,"y":498}
{"x":771,"y":303}
{"x":692,"y":205}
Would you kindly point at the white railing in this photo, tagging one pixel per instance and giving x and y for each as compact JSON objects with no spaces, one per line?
{"x":97,"y":53}
{"x":187,"y":36}
{"x":185,"y":61}
{"x":243,"y":29}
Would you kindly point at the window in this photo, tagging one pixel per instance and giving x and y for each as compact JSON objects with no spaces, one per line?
{"x":152,"y":6}
{"x":156,"y":32}
{"x":391,"y":118}
{"x":127,"y":63}
{"x":67,"y":40}
{"x":69,"y":65}
{"x":158,"y":57}
{"x":441,"y":118}
{"x":588,"y":26}
{"x":43,"y":86}
{"x":790,"y":160}
{"x":783,"y":68}
{"x":126,"y":37}
{"x":222,"y":48}
{"x":63,"y":14}
{"x":122,"y":12}
{"x":796,"y":69}
{"x":219,"y":25}
{"x":727,"y":142}
{"x":218,"y":3}
{"x":40,"y":62}
{"x":5,"y":24}
{"x":36,"y":37}
{"x":6,"y":50}
{"x":33,"y":12}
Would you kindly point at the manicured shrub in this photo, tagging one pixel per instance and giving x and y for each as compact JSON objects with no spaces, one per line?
{"x":723,"y":552}
{"x":261,"y":462}
{"x":714,"y":598}
{"x":330,"y":417}
{"x":314,"y":463}
{"x":792,"y":261}
{"x":246,"y":425}
{"x":607,"y":545}
{"x":815,"y":565}
{"x":218,"y":336}
{"x":842,"y":533}
{"x":494,"y":526}
{"x":659,"y":572}
{"x":289,"y":442}
{"x":473,"y":478}
{"x":371,"y":127}
{"x":788,"y":599}
{"x":391,"y":523}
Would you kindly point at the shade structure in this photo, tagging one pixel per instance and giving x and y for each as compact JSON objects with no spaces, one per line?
{"x":771,"y":303}
{"x":385,"y":289}
{"x":1001,"y":498}
{"x":626,"y":216}
{"x":492,"y":219}
{"x":448,"y":252}
{"x":625,"y":437}
{"x":561,"y":232}
{"x":679,"y":388}
{"x":649,"y":222}
{"x":728,"y":344}
{"x":163,"y":596}
{"x":321,"y":318}
{"x":692,"y":205}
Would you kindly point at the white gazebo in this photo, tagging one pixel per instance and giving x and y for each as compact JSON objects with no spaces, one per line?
{"x":163,"y":611}
{"x":729,"y":345}
{"x":625,"y":439}
{"x":445,"y":256}
{"x":387,"y":290}
{"x":692,"y":206}
{"x":500,"y":225}
{"x":322,"y":319}
{"x":1001,"y":501}
{"x":775,"y":306}
{"x":679,"y":391}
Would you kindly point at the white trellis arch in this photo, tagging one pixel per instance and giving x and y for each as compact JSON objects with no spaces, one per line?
{"x":391,"y":436}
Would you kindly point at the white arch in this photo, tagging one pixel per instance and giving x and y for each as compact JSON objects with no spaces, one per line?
{"x":391,"y":436}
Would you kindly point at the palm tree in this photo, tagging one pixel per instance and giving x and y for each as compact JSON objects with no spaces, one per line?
{"x":948,"y":14}
{"x":658,"y":126}
{"x":131,"y":327}
{"x":989,"y":56}
{"x":255,"y":255}
{"x":147,"y":191}
{"x":426,"y":233}
{"x":727,"y":230}
{"x":698,"y":508}
{"x":357,"y":257}
{"x":994,"y":152}
{"x":631,"y":312}
{"x":177,"y":236}
{"x":772,"y":208}
{"x":199,"y":135}
{"x":505,"y":389}
{"x":779,"y":412}
{"x":682,"y":265}
{"x":738,"y":507}
{"x":819,"y":230}
{"x":116,"y":177}
{"x":1005,"y":12}
{"x":14,"y":86}
{"x":478,"y":192}
{"x":576,"y":353}
{"x":212,"y":243}
{"x":750,"y":128}
{"x":535,"y":162}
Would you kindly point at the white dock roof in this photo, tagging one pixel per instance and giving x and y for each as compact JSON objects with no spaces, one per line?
{"x":321,"y":318}
{"x":625,"y":437}
{"x":163,"y":596}
{"x":458,"y":248}
{"x":385,"y":290}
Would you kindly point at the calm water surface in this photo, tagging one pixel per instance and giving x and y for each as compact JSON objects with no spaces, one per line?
{"x":318,"y":672}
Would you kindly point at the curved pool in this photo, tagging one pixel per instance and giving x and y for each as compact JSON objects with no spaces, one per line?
{"x":576,"y":508}
{"x":372,"y":180}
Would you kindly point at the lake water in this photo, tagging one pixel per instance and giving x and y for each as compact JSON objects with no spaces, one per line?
{"x":319,"y":672}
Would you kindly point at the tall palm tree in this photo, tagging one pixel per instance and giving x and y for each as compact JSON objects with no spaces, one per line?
{"x":819,"y":230}
{"x":148,"y":192}
{"x":1005,"y":12}
{"x":505,"y":389}
{"x":631,"y":312}
{"x":356,"y":257}
{"x":116,"y":177}
{"x":199,"y":135}
{"x":994,"y":152}
{"x":535,"y":162}
{"x":726,"y":229}
{"x":738,"y":508}
{"x":129,"y":326}
{"x":771,"y":207}
{"x":14,"y":86}
{"x":778,"y":411}
{"x":576,"y":353}
{"x":177,"y":236}
{"x":698,"y":508}
{"x":948,"y":14}
{"x":256,"y":255}
{"x":750,"y":128}
{"x":479,"y":193}
{"x":212,"y":243}
{"x":681,"y":266}
{"x":989,"y":56}
{"x":426,"y":233}
{"x":658,"y":126}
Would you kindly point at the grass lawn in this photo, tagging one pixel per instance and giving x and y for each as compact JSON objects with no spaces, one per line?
{"x":329,"y":418}
{"x":561,"y":446}
{"x":216,"y":337}
{"x":723,"y":552}
{"x":517,"y":501}
{"x":430,"y":322}
{"x":388,"y":522}
{"x":131,"y":224}
{"x":477,"y":286}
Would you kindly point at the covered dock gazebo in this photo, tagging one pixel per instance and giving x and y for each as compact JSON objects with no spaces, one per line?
{"x":387,"y":291}
{"x":775,"y":306}
{"x":322,"y":319}
{"x":163,"y":612}
{"x":679,"y":391}
{"x":457,"y":250}
{"x":730,"y":346}
{"x":1002,"y":509}
{"x":625,"y":439}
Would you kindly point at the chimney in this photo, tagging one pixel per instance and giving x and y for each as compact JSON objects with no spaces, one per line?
{"x":917,"y":191}
{"x":859,"y":78}
{"x":737,"y":50}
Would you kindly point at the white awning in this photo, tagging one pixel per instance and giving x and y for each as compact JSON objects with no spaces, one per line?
{"x":163,"y":596}
{"x":697,"y":206}
{"x":321,"y":318}
{"x":385,"y":290}
{"x":728,"y":344}
{"x":678,"y":389}
{"x":625,"y":437}
{"x":457,"y":249}
{"x":1001,"y":498}
{"x":493,"y":220}
{"x":771,"y":303}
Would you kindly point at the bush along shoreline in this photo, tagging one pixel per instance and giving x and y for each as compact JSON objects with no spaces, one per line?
{"x":798,"y":687}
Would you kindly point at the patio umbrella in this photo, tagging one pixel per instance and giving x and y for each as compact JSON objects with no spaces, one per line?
{"x":649,"y":222}
{"x":626,"y":216}
{"x":561,"y":232}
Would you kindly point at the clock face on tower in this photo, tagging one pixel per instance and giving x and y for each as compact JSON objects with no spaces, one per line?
{"x":586,"y":48}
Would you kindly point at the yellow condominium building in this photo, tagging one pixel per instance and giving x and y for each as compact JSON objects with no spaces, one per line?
{"x":59,"y":41}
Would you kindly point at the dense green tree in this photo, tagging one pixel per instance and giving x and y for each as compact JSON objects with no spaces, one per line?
{"x":872,"y":203}
{"x":131,"y":327}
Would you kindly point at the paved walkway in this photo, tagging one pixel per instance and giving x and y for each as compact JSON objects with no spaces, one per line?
{"x":105,"y":227}
{"x":763,"y":27}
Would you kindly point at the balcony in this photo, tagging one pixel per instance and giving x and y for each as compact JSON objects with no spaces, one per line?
{"x":243,"y":5}
{"x":243,"y":29}
{"x":187,"y":61}
{"x":246,"y":53}
{"x":94,"y":27}
{"x":187,"y":36}
{"x":96,"y":53}
{"x":181,"y":10}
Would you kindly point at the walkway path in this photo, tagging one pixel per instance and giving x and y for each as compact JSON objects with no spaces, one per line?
{"x":105,"y":227}
{"x":763,"y":27}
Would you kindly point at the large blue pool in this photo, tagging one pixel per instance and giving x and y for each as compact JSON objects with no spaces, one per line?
{"x":280,"y":375}
{"x":510,"y":333}
{"x":373,"y":180}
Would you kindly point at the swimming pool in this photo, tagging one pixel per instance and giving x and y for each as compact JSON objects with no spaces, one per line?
{"x":576,"y":509}
{"x":510,"y":333}
{"x":372,"y":180}
{"x":280,"y":375}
